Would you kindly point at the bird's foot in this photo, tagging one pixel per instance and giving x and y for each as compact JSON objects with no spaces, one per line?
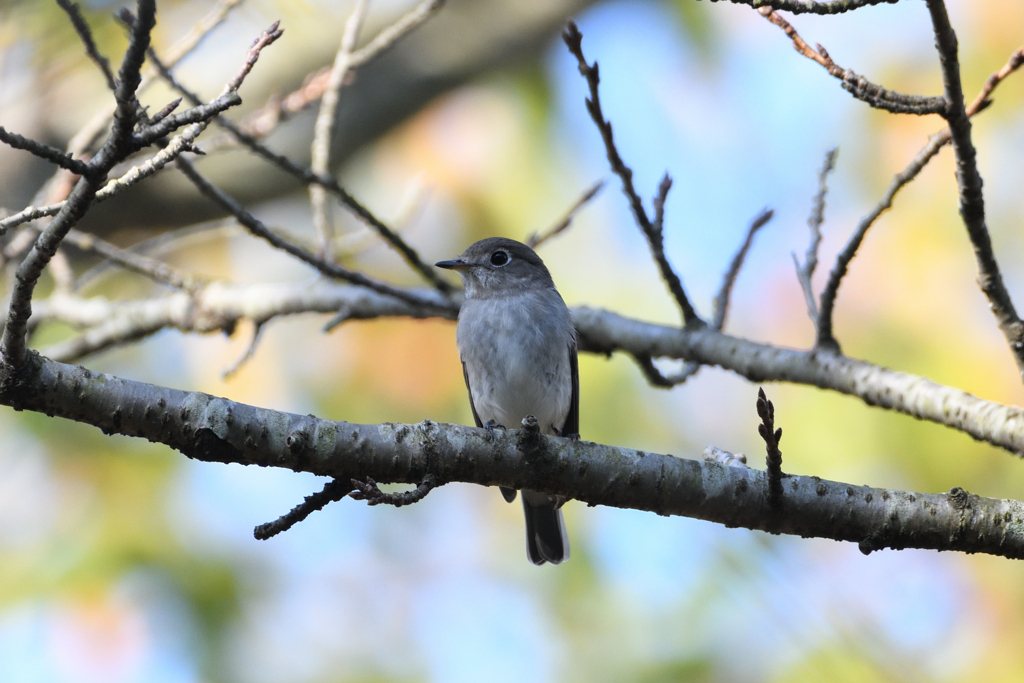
{"x":490,"y":426}
{"x":572,"y":437}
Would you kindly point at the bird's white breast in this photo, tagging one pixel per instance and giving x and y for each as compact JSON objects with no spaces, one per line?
{"x":516,"y":352}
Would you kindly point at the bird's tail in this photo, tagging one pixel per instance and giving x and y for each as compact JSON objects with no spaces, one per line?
{"x":546,"y":540}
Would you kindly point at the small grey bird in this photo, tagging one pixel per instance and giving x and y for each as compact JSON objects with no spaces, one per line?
{"x":517,"y":342}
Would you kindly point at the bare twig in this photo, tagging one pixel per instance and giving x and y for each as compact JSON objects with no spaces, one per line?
{"x":85,"y":33}
{"x":813,"y":7}
{"x":154,"y":245}
{"x":825,"y":336}
{"x":333,"y":491}
{"x":118,"y":144}
{"x":261,"y":122}
{"x":538,"y":238}
{"x":51,"y":154}
{"x":150,"y":267}
{"x":655,"y":237}
{"x":721,"y":302}
{"x":323,"y":128}
{"x":181,"y":143}
{"x":410,"y":255}
{"x":390,"y":35}
{"x":771,"y":436}
{"x":171,"y":122}
{"x":250,"y":350}
{"x":657,"y":378}
{"x":371,"y":493}
{"x":972,"y":201}
{"x":87,"y":136}
{"x":721,"y":307}
{"x":805,"y":272}
{"x":855,"y":84}
{"x":257,"y":228}
{"x":1012,"y":64}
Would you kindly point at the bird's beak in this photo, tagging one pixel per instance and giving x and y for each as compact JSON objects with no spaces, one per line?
{"x":454,"y":264}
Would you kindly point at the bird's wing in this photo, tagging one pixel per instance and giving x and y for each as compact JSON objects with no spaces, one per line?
{"x":465,"y":376}
{"x":572,"y":420}
{"x":508,"y":494}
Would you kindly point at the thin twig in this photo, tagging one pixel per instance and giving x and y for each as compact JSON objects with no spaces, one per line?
{"x":202,"y":113}
{"x":156,"y":244}
{"x":972,"y":200}
{"x":805,"y":272}
{"x":854,"y":83}
{"x":721,"y":302}
{"x":334,"y":491}
{"x":181,"y":143}
{"x":89,"y":134}
{"x":390,"y":35}
{"x":51,"y":154}
{"x":263,"y":121}
{"x":250,"y":350}
{"x":655,"y":237}
{"x":536,"y":239}
{"x":371,"y":493}
{"x":773,"y":460}
{"x":144,"y":265}
{"x":13,"y":345}
{"x":323,"y":128}
{"x":721,"y":307}
{"x":1012,"y":64}
{"x":85,"y":33}
{"x":410,"y":255}
{"x":257,"y":228}
{"x":813,"y":7}
{"x":825,"y":335}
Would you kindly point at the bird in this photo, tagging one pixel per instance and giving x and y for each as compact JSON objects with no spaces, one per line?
{"x":517,"y":342}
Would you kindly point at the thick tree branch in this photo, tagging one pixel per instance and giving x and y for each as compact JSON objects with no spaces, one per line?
{"x":219,"y":307}
{"x":214,"y":429}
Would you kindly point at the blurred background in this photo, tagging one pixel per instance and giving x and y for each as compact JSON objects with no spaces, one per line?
{"x":122,"y":561}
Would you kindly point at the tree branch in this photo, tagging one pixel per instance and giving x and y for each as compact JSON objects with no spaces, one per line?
{"x":972,"y":201}
{"x":323,"y":128}
{"x":212,"y":429}
{"x":220,"y":306}
{"x":85,"y":33}
{"x":855,"y":84}
{"x":538,"y":238}
{"x":812,"y":7}
{"x":805,"y":272}
{"x":257,"y":228}
{"x":651,"y":230}
{"x":45,"y":152}
{"x":328,"y":182}
{"x":825,"y":336}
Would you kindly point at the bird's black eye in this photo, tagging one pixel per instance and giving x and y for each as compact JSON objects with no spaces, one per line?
{"x":499,"y":258}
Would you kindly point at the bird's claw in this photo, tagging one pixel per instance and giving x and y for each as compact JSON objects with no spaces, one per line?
{"x":490,"y":426}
